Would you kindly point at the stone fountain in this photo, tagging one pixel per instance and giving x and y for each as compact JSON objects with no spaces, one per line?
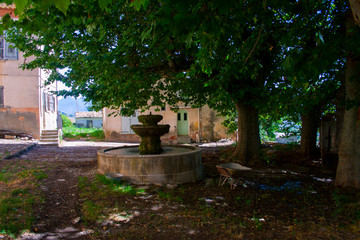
{"x":150,"y":133}
{"x":151,"y":162}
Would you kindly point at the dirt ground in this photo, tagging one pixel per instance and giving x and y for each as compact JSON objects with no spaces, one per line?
{"x":270,"y":202}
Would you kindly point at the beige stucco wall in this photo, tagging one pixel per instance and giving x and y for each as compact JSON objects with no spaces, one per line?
{"x":23,"y":104}
{"x":210,"y":127}
{"x":112,"y":128}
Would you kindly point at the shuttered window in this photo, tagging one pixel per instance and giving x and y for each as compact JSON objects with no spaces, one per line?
{"x":7,"y":50}
{"x":1,"y":96}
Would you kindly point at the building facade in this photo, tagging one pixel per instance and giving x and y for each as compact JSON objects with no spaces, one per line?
{"x":186,"y":125}
{"x":26,"y":104}
{"x":89,"y":119}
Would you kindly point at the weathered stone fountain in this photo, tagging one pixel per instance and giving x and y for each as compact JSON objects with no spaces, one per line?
{"x":150,"y":133}
{"x":151,"y":162}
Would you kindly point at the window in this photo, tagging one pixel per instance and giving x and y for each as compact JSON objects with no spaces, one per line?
{"x":89,"y":123}
{"x":179,"y":116}
{"x":185,"y":116}
{"x":7,"y":50}
{"x":49,"y":102}
{"x":1,"y":96}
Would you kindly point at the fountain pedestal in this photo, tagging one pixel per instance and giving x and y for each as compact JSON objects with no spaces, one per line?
{"x":150,"y":133}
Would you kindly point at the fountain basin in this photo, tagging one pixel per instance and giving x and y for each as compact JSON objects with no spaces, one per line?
{"x":156,"y":131}
{"x":175,"y":165}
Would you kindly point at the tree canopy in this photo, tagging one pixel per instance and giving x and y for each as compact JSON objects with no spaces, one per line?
{"x":233,"y":56}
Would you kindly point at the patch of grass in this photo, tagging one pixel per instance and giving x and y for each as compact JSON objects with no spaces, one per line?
{"x":4,"y":155}
{"x":4,"y":175}
{"x":169,"y":197}
{"x":73,"y":132}
{"x":99,"y":196}
{"x":36,"y":173}
{"x":127,"y":189}
{"x":90,"y":211}
{"x":18,"y":199}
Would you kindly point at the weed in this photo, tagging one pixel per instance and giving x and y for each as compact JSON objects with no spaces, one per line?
{"x":127,"y":189}
{"x":35,"y":173}
{"x":258,"y":221}
{"x":90,"y":211}
{"x":169,"y":197}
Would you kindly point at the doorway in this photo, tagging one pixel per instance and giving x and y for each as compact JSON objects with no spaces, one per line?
{"x":183,"y":123}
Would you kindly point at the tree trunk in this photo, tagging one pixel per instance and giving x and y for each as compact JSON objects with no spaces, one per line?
{"x":348,"y":170}
{"x":247,"y":150}
{"x":309,"y":133}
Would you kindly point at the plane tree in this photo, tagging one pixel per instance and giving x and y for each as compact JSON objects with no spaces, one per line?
{"x":313,"y":68}
{"x":348,"y":170}
{"x":220,"y":53}
{"x":217,"y":52}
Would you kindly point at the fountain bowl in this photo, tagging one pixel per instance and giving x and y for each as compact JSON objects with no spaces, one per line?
{"x":144,"y":130}
{"x":175,"y":165}
{"x":150,"y":120}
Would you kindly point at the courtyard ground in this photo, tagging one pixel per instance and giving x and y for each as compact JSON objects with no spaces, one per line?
{"x":283,"y":200}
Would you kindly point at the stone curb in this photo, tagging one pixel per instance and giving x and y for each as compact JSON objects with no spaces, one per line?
{"x":21,"y":151}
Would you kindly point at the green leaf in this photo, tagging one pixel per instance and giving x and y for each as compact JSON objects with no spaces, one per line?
{"x":62,"y":5}
{"x":104,"y":3}
{"x":20,"y":5}
{"x":137,"y":4}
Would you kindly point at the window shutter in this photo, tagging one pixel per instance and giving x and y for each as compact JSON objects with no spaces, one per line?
{"x":11,"y":52}
{"x":2,"y":47}
{"x":1,"y":96}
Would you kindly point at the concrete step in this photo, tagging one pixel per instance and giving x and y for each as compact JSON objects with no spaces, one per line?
{"x":49,"y":132}
{"x":49,"y":138}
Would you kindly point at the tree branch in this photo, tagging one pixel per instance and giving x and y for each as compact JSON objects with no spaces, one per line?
{"x":257,"y":40}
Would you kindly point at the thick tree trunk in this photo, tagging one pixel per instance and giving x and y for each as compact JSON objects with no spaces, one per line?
{"x":348,"y":170}
{"x":247,"y":150}
{"x":309,"y":133}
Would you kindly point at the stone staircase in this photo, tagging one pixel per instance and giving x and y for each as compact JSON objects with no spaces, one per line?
{"x":49,"y":138}
{"x":183,"y":139}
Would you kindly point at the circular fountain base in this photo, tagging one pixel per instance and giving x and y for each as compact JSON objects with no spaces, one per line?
{"x":175,"y":165}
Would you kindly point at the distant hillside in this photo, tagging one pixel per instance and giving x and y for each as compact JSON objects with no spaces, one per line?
{"x":70,"y":106}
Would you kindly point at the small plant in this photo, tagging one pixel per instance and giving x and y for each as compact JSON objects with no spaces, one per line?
{"x":258,"y":221}
{"x":169,"y":197}
{"x":90,"y":211}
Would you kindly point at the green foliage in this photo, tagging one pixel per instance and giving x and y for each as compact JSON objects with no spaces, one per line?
{"x":66,"y":121}
{"x":277,"y":58}
{"x":73,"y":132}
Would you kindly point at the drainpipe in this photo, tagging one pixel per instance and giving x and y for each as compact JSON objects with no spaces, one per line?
{"x":200,"y":123}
